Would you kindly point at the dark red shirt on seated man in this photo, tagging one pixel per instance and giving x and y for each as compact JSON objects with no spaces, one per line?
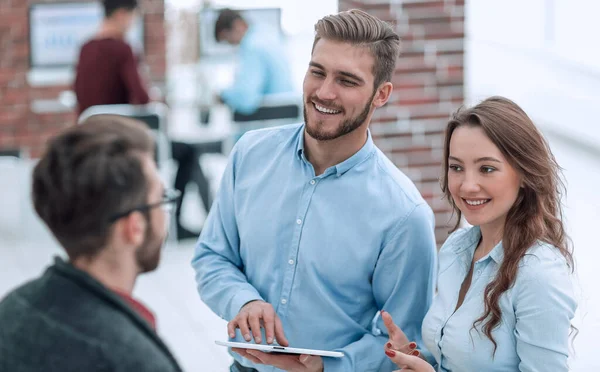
{"x":107,"y":73}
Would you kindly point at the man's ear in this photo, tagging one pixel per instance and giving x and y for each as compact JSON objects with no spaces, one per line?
{"x":383,"y":94}
{"x":133,"y":228}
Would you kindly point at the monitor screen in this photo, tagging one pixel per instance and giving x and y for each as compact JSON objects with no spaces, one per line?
{"x":57,"y":31}
{"x":209,"y":47}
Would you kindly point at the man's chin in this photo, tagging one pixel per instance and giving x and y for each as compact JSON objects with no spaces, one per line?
{"x":319,"y":133}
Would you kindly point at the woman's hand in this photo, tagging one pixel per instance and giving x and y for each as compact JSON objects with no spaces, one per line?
{"x":397,"y":339}
{"x":408,"y":363}
{"x":402,"y":352}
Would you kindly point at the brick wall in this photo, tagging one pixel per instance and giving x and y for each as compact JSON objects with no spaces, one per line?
{"x":20,"y":128}
{"x":428,"y":86}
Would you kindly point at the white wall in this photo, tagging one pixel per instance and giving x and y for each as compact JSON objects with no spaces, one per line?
{"x":543,"y":54}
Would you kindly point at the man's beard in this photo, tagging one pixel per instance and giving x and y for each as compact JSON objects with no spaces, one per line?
{"x":347,"y":126}
{"x":148,"y":253}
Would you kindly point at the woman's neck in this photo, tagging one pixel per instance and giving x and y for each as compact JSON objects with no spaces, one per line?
{"x":490,"y":237}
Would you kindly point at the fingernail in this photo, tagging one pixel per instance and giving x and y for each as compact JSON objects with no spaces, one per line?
{"x":231,"y":335}
{"x":416,"y":353}
{"x":388,"y":345}
{"x":247,"y":337}
{"x":390,"y":353}
{"x":258,"y":340}
{"x":413,"y":345}
{"x":270,"y":340}
{"x":304,"y":358}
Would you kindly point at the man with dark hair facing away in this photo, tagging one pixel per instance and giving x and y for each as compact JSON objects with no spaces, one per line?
{"x":99,"y":192}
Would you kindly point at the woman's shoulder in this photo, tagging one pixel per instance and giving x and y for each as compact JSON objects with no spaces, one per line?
{"x":544,"y":263}
{"x":541,"y":261}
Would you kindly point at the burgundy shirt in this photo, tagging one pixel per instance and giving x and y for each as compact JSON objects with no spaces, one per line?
{"x":142,"y":310}
{"x":107,"y":74}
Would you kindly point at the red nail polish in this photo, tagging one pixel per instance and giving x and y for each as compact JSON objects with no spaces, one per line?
{"x":413,"y":345}
{"x":390,"y":353}
{"x":388,"y":345}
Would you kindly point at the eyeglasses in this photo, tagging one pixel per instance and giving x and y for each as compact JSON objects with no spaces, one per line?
{"x":169,"y":199}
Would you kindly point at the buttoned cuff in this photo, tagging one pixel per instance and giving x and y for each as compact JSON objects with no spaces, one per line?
{"x":240,"y":299}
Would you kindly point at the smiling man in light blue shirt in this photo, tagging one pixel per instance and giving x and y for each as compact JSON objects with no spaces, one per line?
{"x":263,"y":68}
{"x":314,"y":230}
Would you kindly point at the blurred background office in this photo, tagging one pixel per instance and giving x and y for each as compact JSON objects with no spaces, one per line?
{"x":540,"y":53}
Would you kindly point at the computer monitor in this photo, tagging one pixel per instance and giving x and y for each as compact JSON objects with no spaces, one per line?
{"x":209,"y":47}
{"x":57,"y":31}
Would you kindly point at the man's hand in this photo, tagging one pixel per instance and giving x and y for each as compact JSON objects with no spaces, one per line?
{"x":251,"y":317}
{"x":286,"y":362}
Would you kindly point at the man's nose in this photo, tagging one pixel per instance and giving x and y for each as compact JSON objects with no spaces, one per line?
{"x":326,"y":91}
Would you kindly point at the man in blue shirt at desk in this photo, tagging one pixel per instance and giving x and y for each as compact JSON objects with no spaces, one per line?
{"x":314,"y":230}
{"x":263,"y":66}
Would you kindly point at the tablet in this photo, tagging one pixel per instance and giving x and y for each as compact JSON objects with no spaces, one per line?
{"x":280,"y":349}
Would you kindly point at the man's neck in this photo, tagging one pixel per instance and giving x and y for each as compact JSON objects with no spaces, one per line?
{"x":325,"y":154}
{"x":109,"y":29}
{"x":112,"y":272}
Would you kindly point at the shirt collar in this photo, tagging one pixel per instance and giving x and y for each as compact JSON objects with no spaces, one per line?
{"x":469,"y":241}
{"x":137,"y":306}
{"x":341,"y":168}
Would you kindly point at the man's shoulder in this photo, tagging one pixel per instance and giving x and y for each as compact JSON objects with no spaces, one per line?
{"x":269,"y":138}
{"x":49,"y":314}
{"x":115,"y":45}
{"x":398,"y":183}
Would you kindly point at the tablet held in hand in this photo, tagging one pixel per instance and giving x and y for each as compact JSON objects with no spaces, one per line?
{"x":280,"y":349}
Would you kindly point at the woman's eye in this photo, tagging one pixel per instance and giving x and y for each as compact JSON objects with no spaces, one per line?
{"x":487,"y":169}
{"x":455,"y":168}
{"x":317,"y":73}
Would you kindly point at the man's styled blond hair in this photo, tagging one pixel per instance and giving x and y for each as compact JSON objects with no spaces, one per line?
{"x":362,"y":29}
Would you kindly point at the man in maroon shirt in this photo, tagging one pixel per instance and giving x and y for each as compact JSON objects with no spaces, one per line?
{"x":107,"y":70}
{"x":107,"y":73}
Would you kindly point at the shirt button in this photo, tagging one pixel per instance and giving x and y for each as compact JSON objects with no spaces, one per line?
{"x":299,"y":221}
{"x":291,"y":262}
{"x":283,"y":301}
{"x":312,"y":182}
{"x":478,"y":272}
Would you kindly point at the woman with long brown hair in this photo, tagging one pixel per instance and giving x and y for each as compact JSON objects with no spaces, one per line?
{"x":505,"y":300}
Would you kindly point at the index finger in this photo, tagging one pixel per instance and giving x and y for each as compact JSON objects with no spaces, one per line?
{"x":269,"y":324}
{"x":389,"y":323}
{"x":281,"y":339}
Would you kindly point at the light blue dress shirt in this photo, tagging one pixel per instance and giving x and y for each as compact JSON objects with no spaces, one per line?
{"x":536,"y":312}
{"x":328,"y":251}
{"x":263,"y":69}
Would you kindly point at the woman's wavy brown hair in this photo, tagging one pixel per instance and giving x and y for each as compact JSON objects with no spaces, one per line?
{"x":536,"y":215}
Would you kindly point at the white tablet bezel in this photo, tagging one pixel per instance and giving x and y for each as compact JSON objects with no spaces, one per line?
{"x":280,"y":349}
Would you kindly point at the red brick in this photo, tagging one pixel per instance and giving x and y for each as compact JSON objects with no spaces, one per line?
{"x":442,"y":35}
